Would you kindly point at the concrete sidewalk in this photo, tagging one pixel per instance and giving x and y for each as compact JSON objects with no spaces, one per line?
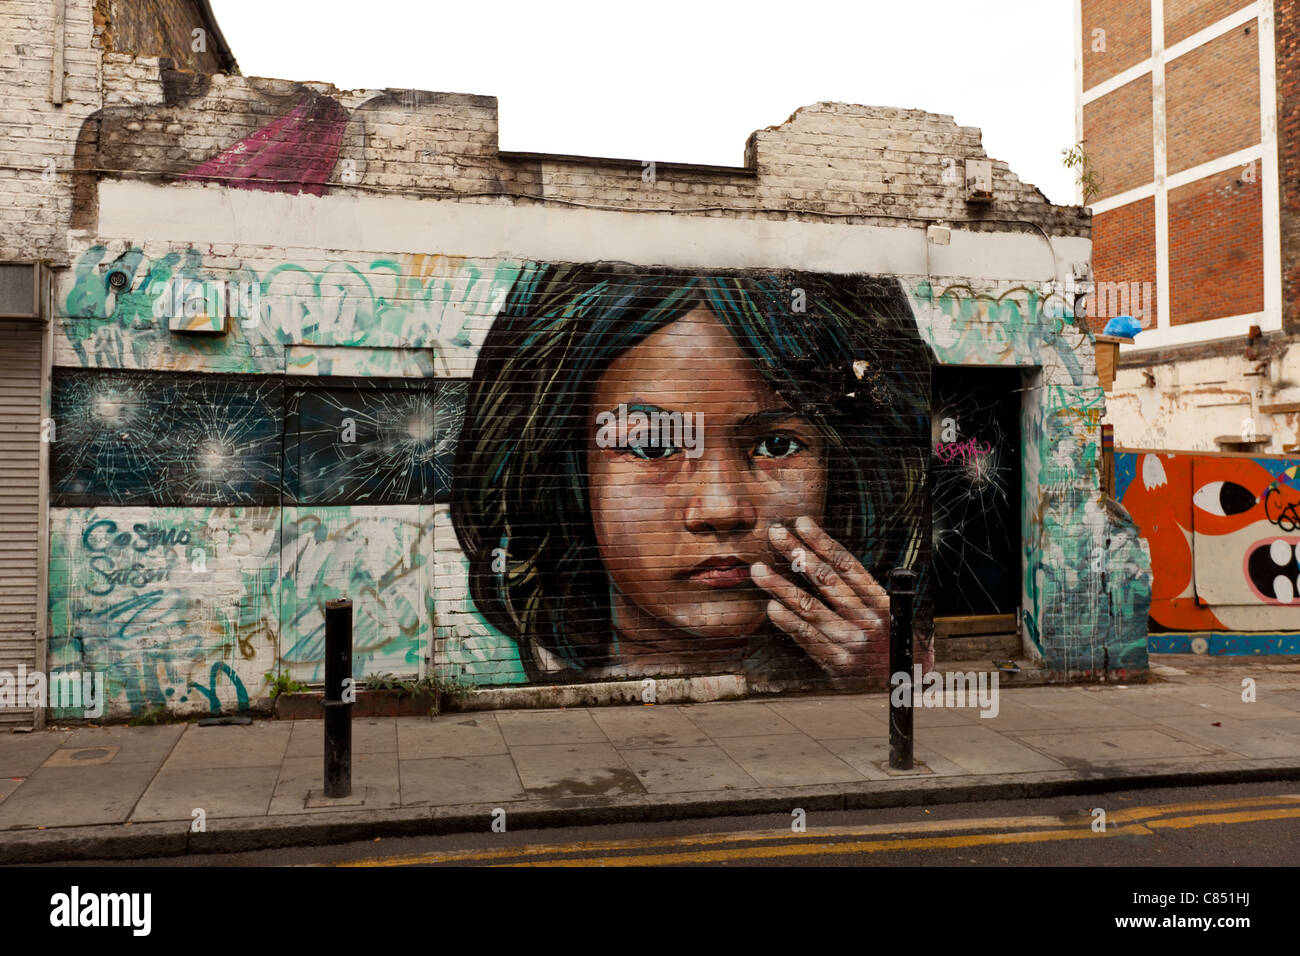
{"x":133,"y":791}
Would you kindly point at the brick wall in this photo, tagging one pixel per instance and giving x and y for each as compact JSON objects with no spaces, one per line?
{"x":1215,"y":248}
{"x":1127,"y":37}
{"x":1185,"y":17}
{"x":828,"y":159}
{"x":161,"y":28}
{"x":1212,"y":99}
{"x":1124,"y":252}
{"x":36,"y":151}
{"x":1287,"y":42}
{"x":1117,"y":128}
{"x":49,"y":147}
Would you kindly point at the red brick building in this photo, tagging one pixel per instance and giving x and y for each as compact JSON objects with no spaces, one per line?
{"x":1189,"y":113}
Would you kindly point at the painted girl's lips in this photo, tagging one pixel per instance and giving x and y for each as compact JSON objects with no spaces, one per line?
{"x":723,"y":572}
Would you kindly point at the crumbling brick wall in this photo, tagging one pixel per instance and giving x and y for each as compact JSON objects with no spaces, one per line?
{"x":177,"y":29}
{"x":837,"y":160}
{"x":40,"y":135}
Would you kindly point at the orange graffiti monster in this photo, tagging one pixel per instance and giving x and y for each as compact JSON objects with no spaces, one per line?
{"x":1225,"y":542}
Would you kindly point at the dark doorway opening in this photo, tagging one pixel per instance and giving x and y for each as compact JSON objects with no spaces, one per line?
{"x":975,"y":504}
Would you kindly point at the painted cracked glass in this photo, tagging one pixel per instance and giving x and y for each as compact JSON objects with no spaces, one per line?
{"x":124,"y":438}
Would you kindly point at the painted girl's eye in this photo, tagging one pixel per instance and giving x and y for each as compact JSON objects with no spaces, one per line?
{"x":1223,"y":498}
{"x":652,"y":452}
{"x":778,"y":446}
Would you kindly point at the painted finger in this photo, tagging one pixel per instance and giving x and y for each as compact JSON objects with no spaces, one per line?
{"x":801,"y":602}
{"x":832,"y":586}
{"x":829,"y":654}
{"x":843,"y":562}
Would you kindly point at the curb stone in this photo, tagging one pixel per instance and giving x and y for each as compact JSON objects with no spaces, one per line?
{"x":239,"y":834}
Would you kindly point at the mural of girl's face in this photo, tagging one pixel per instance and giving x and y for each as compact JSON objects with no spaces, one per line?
{"x":679,"y":526}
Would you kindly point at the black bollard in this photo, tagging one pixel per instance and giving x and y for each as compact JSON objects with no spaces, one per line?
{"x":902,"y":589}
{"x":338,"y":713}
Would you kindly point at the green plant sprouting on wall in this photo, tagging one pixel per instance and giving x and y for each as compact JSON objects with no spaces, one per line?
{"x":284,"y":684}
{"x":434,"y":686}
{"x":1086,"y":176}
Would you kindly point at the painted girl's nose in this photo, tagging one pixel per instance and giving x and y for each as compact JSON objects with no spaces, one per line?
{"x":719,"y":498}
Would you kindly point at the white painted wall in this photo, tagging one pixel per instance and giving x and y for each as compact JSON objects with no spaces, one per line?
{"x":197,"y":214}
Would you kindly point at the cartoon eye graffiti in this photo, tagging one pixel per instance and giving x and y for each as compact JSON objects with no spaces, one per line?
{"x":1224,"y":498}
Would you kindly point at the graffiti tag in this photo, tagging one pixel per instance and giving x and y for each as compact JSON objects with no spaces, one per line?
{"x":1288,"y":516}
{"x":967,"y":450}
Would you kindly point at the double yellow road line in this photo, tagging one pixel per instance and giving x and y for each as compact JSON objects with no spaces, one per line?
{"x":876,"y":838}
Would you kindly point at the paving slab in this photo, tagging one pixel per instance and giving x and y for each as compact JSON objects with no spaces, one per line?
{"x":81,"y":756}
{"x":687,"y":769}
{"x":573,"y":770}
{"x":1112,"y":745}
{"x":737,"y":720}
{"x":374,"y":775}
{"x":925,"y":718}
{"x":448,"y":781}
{"x":8,"y":786}
{"x":1288,"y":698}
{"x":1249,"y":738}
{"x":1227,"y":702}
{"x":1014,"y":717}
{"x":133,"y":744}
{"x":922,"y":716}
{"x":869,"y":756}
{"x":828,"y":719}
{"x":1084,"y":710}
{"x":261,"y":744}
{"x":21,"y":754}
{"x":450,"y":735}
{"x":640,"y":727}
{"x":981,"y":749}
{"x":787,"y":760}
{"x":1154,"y":704}
{"x":369,"y":735}
{"x":231,"y":791}
{"x":76,"y":796}
{"x":525,"y":728}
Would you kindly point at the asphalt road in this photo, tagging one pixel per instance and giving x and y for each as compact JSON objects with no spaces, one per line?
{"x":1247,"y":825}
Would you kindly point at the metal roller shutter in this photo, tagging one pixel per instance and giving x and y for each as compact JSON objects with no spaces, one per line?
{"x":20,"y":473}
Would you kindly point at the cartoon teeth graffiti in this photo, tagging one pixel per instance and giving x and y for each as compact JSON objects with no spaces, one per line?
{"x":1272,"y":569}
{"x":1225,"y":540}
{"x":1242,"y":515}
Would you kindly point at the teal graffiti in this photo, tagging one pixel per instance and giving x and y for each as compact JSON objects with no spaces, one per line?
{"x":210,"y":690}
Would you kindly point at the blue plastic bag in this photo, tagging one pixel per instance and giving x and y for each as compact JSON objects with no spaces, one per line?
{"x":1124,"y":326}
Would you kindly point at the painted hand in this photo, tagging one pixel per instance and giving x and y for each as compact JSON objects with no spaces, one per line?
{"x":844,"y":628}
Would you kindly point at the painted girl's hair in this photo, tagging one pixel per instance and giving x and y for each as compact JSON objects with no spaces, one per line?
{"x":843,"y":351}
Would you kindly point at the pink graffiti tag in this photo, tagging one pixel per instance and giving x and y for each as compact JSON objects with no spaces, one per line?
{"x":966,"y":450}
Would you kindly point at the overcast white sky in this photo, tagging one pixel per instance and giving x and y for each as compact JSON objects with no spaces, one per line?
{"x":687,"y":82}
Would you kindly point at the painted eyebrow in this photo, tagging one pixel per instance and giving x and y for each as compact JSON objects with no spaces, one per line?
{"x":765,"y":417}
{"x":759,"y":419}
